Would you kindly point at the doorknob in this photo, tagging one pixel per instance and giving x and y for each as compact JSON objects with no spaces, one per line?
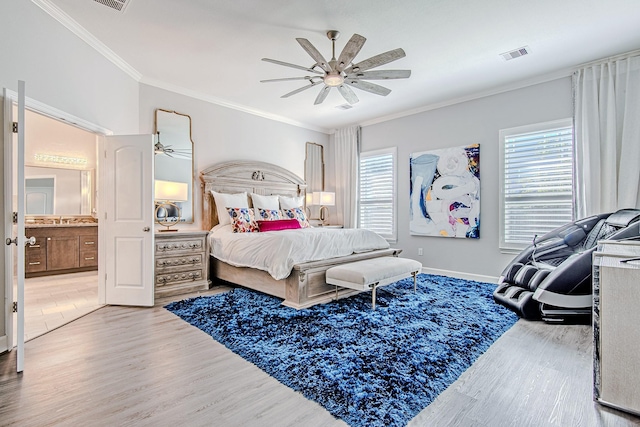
{"x":145,"y":229}
{"x":30,"y":241}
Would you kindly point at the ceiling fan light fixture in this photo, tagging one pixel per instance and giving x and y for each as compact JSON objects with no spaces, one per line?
{"x":333,"y":79}
{"x":334,"y":73}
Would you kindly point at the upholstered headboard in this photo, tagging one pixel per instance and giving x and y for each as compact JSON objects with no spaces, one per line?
{"x":250,"y":176}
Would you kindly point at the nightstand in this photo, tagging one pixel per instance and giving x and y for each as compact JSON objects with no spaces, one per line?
{"x":181,"y":262}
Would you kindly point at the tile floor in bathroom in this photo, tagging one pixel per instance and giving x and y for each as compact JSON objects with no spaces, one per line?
{"x":52,"y":301}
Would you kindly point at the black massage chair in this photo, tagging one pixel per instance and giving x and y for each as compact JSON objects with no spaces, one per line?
{"x":551,"y":279}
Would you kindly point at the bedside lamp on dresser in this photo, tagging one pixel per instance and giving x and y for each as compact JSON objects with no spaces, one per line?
{"x":166,"y":195}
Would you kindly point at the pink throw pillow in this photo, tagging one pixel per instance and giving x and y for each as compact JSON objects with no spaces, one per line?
{"x":278,"y":224}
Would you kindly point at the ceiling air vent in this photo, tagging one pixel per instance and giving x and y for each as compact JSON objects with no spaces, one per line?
{"x":344,"y":107}
{"x":517,"y":53}
{"x":119,"y":5}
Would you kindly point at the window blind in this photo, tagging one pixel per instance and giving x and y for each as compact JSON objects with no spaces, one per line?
{"x":537,"y":184}
{"x":377,"y":193}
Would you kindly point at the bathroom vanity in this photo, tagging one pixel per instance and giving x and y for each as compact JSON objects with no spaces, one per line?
{"x":62,"y":248}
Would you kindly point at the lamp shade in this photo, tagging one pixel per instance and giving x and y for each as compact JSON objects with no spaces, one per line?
{"x":171,"y":191}
{"x":323,"y":198}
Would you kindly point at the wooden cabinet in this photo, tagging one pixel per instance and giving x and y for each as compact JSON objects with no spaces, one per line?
{"x":616,"y":293}
{"x":61,"y":249}
{"x":181,"y":262}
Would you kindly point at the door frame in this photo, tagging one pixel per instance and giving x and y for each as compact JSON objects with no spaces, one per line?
{"x":11,"y":99}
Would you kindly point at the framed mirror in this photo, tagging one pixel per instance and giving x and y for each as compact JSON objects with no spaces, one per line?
{"x":174,"y":156}
{"x":314,"y":167}
{"x":59,"y":191}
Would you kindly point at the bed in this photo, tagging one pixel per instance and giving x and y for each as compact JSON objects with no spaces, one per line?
{"x":305,"y":284}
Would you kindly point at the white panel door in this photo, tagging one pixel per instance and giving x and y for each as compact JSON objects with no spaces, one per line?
{"x":19,"y":239}
{"x":6,"y":342}
{"x":127,"y":215}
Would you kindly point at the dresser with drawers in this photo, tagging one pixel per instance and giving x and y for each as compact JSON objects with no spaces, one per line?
{"x":181,"y":262}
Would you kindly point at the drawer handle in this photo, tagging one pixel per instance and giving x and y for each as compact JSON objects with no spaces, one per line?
{"x":34,"y":263}
{"x":34,"y":246}
{"x":89,"y":243}
{"x":89,"y":258}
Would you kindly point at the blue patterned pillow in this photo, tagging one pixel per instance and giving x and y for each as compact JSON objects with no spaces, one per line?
{"x":243,"y":220}
{"x":297,"y":213}
{"x":269,"y":214}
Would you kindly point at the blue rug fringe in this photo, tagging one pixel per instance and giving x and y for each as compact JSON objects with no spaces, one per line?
{"x":369,"y":368}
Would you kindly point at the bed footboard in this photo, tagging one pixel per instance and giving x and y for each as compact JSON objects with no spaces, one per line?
{"x":304,"y":287}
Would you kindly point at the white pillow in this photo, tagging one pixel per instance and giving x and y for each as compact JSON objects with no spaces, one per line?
{"x":265,"y":202}
{"x":291,"y":202}
{"x":224,"y":201}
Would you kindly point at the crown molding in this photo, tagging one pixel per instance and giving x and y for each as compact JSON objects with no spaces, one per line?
{"x":223,"y":103}
{"x":56,"y":13}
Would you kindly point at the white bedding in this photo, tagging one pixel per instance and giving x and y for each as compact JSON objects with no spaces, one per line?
{"x":276,"y":252}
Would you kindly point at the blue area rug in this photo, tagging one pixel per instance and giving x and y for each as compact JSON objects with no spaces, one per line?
{"x":369,"y":368}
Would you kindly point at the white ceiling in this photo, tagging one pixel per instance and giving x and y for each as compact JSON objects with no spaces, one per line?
{"x":212,"y":49}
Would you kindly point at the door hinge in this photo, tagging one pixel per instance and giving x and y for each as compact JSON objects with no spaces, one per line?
{"x":14,"y":127}
{"x":14,"y":217}
{"x":14,"y":307}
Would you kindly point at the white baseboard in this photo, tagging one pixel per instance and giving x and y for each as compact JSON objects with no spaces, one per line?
{"x":3,"y":344}
{"x":460,"y":275}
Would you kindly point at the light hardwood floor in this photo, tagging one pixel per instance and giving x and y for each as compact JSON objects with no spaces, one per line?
{"x":146,"y":367}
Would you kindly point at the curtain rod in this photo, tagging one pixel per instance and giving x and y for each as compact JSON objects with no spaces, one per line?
{"x":609,"y":59}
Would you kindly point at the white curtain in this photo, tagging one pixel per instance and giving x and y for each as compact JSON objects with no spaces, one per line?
{"x":607,"y":126}
{"x":346,"y":149}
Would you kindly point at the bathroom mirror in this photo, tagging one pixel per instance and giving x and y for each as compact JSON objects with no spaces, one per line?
{"x":59,"y":191}
{"x":174,"y":156}
{"x":314,"y":167}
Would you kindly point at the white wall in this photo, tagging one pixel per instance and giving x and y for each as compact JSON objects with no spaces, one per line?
{"x":476,"y":121}
{"x":62,"y":71}
{"x":221,"y":134}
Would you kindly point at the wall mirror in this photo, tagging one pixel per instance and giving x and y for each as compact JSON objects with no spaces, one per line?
{"x":59,"y":191}
{"x":314,"y":167}
{"x":174,"y":156}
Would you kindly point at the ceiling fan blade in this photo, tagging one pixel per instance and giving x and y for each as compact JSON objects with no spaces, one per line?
{"x":289,"y":78}
{"x":348,"y":94}
{"x":380,"y":75}
{"x":313,"y":52}
{"x":286,"y":64}
{"x":376,"y":61}
{"x":350,"y":51}
{"x":322,"y":95}
{"x":286,"y":95}
{"x":368,"y":87}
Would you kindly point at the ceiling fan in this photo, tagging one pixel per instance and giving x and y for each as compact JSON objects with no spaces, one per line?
{"x":160,"y":148}
{"x":341,"y":72}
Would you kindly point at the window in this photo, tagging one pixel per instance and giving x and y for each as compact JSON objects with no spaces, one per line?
{"x":377,"y":192}
{"x":536,"y":181}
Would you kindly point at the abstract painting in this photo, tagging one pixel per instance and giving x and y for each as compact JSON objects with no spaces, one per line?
{"x":445,"y":192}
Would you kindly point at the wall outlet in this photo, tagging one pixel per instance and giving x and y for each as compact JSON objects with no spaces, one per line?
{"x":419,"y":251}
